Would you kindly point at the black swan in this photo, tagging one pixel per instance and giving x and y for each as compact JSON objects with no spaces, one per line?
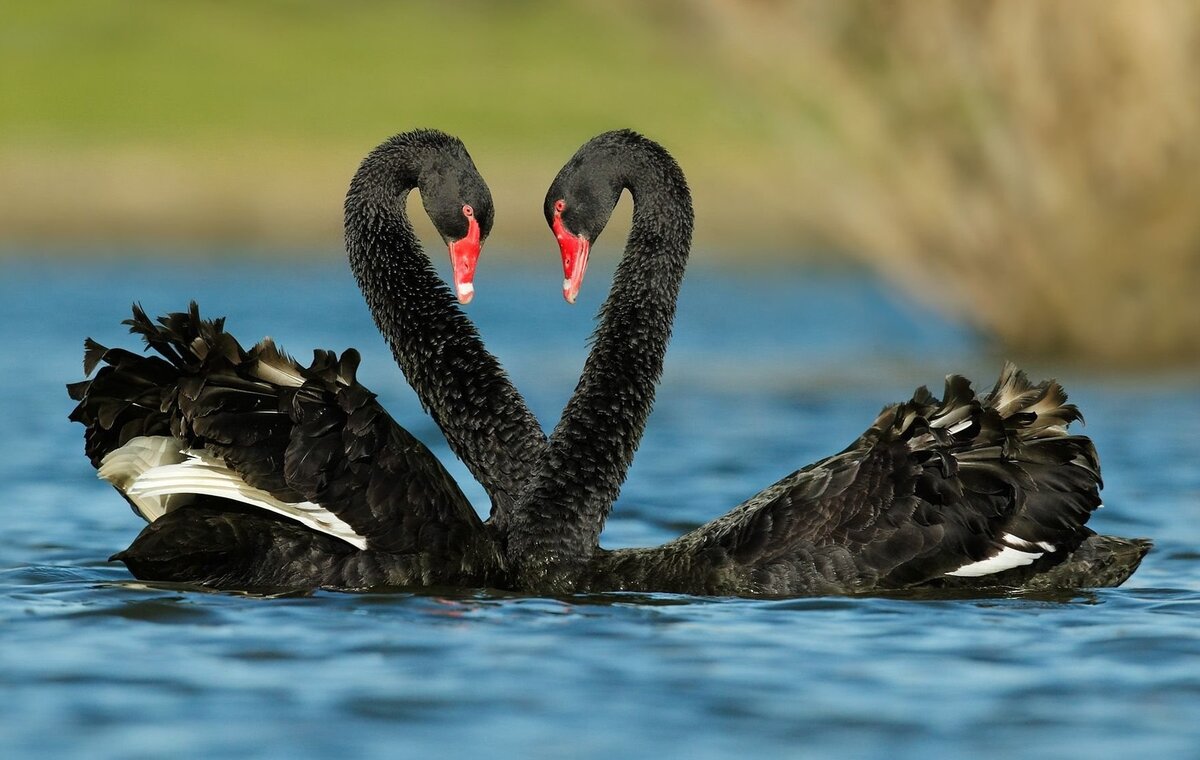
{"x":965,"y":491}
{"x":257,"y":472}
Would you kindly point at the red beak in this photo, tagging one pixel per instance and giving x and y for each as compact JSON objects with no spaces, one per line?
{"x":574,"y":249}
{"x":464,"y":255}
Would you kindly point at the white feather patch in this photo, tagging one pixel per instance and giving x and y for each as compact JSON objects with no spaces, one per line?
{"x":1006,"y":559}
{"x":1017,"y":542}
{"x":138,"y":456}
{"x":155,"y":469}
{"x":958,"y":427}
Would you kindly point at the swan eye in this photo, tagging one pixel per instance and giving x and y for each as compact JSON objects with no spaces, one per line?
{"x":559,"y":205}
{"x":468,"y":211}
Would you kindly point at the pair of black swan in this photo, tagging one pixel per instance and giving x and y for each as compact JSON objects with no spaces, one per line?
{"x":258,"y":473}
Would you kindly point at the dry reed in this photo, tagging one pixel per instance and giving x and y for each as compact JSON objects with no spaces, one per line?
{"x":1034,"y":167}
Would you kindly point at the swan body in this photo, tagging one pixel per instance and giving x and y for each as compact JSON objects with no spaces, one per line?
{"x":967,"y":491}
{"x":255,"y":471}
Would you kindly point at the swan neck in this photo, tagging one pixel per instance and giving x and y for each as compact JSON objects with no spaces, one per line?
{"x":459,"y":383}
{"x":559,"y":522}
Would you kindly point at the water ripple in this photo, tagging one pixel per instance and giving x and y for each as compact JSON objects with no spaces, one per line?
{"x":95,"y":664}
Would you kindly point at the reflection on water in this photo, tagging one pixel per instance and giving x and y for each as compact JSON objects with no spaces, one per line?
{"x":763,"y":376}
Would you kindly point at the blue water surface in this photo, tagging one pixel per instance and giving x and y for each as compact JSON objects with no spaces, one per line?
{"x":765,"y":373}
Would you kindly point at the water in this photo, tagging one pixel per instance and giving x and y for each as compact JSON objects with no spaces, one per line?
{"x":764,"y":374}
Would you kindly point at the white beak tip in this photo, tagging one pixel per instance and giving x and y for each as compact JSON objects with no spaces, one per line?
{"x":466,"y":291}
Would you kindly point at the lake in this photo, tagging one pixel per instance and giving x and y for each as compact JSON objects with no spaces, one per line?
{"x":767,"y":371}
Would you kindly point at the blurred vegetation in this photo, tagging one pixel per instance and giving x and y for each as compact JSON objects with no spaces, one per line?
{"x":1033,"y":167}
{"x":244,"y":121}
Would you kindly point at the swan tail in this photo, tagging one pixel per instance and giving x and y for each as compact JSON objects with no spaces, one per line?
{"x":1099,"y":562}
{"x":132,"y":395}
{"x":1011,"y":488}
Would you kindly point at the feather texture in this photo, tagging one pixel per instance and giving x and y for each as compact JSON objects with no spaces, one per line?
{"x":971,"y":490}
{"x":304,"y":454}
{"x":964,"y":490}
{"x":206,"y":418}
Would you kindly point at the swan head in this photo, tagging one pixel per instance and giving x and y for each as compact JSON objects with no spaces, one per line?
{"x":580,"y":202}
{"x":459,"y":204}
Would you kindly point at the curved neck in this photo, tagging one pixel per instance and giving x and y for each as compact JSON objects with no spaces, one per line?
{"x":557,"y":524}
{"x":461,"y":385}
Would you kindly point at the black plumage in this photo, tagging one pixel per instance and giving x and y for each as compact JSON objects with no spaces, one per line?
{"x":320,"y":437}
{"x":557,"y":524}
{"x":313,"y":438}
{"x":964,"y":491}
{"x":484,"y":419}
{"x":933,"y":486}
